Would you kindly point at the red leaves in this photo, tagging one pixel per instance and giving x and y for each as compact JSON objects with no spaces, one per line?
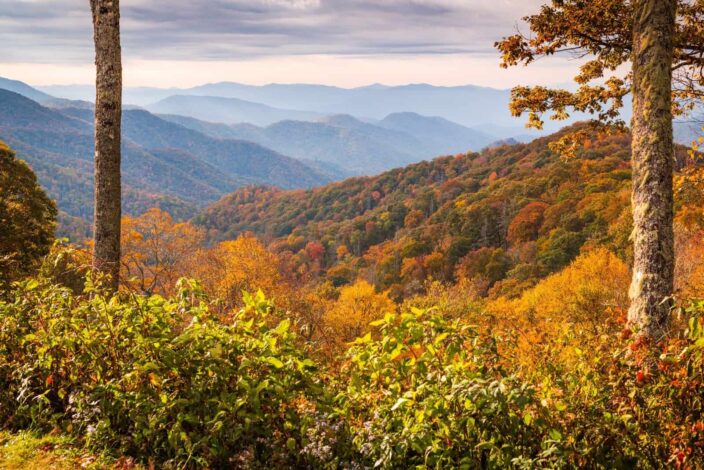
{"x":679,"y":458}
{"x":641,"y":377}
{"x":315,"y":250}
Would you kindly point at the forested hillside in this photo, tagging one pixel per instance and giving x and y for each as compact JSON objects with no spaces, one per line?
{"x":510,"y":215}
{"x":164,"y":165}
{"x":333,"y":365}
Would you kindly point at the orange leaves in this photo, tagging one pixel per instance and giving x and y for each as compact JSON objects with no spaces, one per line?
{"x":236,"y":265}
{"x":342,"y":251}
{"x":566,"y":311}
{"x":524,"y":227}
{"x":689,"y":194}
{"x":156,"y":251}
{"x":413,"y":219}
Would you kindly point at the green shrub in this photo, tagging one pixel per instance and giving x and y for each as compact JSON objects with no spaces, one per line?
{"x":157,"y":378}
{"x":431,"y":393}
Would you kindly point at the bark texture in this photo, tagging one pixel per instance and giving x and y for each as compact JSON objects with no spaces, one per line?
{"x":108,"y":116}
{"x":653,"y":156}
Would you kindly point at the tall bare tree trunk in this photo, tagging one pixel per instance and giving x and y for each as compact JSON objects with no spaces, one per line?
{"x":108,"y":116}
{"x":653,"y":155}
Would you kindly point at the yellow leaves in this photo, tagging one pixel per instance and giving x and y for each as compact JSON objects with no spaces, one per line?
{"x":350,"y":316}
{"x":689,"y":232}
{"x":689,"y":194}
{"x":589,"y":71}
{"x":689,"y":266}
{"x":342,"y":251}
{"x":238,"y":265}
{"x":566,"y":309}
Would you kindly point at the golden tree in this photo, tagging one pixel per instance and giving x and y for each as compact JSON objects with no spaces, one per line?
{"x":234,"y":266}
{"x":358,"y":305}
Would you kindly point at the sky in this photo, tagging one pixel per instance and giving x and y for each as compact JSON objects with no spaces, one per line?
{"x":181,"y":43}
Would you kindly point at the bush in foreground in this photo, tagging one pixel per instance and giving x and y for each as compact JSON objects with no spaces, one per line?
{"x":167,"y":382}
{"x":432,"y":393}
{"x":156,"y":378}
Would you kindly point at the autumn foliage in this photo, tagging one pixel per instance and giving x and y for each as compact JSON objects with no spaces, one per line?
{"x":477,"y":322}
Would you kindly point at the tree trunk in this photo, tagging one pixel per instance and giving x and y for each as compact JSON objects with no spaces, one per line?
{"x":653,"y":155}
{"x":108,"y":116}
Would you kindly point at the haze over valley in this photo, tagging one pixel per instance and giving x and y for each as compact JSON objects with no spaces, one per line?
{"x":186,"y":148}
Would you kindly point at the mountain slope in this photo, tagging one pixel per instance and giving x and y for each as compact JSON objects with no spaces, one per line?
{"x":351,"y":145}
{"x":438,"y":133}
{"x":508,"y":216}
{"x":357,"y":150}
{"x":230,"y":157}
{"x":164,"y":164}
{"x":23,"y":89}
{"x":226,"y":110}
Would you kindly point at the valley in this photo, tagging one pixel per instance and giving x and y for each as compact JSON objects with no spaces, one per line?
{"x":198,"y":148}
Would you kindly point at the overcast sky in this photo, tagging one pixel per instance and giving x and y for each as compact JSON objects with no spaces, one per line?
{"x":337,"y":42}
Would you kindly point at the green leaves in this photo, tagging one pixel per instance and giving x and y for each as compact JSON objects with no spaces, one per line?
{"x":160,"y":379}
{"x":156,"y":378}
{"x":555,"y":435}
{"x":426,"y":395}
{"x":274,"y":362}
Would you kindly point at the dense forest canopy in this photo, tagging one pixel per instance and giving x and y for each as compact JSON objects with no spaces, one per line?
{"x":508,"y":216}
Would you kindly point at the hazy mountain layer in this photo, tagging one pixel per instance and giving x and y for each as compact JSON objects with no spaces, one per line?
{"x":353,"y":146}
{"x":466,"y":105}
{"x":163,"y":164}
{"x":227,"y":110}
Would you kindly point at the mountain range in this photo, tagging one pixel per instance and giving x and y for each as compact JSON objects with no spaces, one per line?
{"x":349,"y":146}
{"x":467,"y":105}
{"x":184,"y":149}
{"x":164,"y":164}
{"x":336,"y":146}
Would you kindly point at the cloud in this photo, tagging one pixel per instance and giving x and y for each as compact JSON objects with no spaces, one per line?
{"x":59,"y":31}
{"x":296,"y":4}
